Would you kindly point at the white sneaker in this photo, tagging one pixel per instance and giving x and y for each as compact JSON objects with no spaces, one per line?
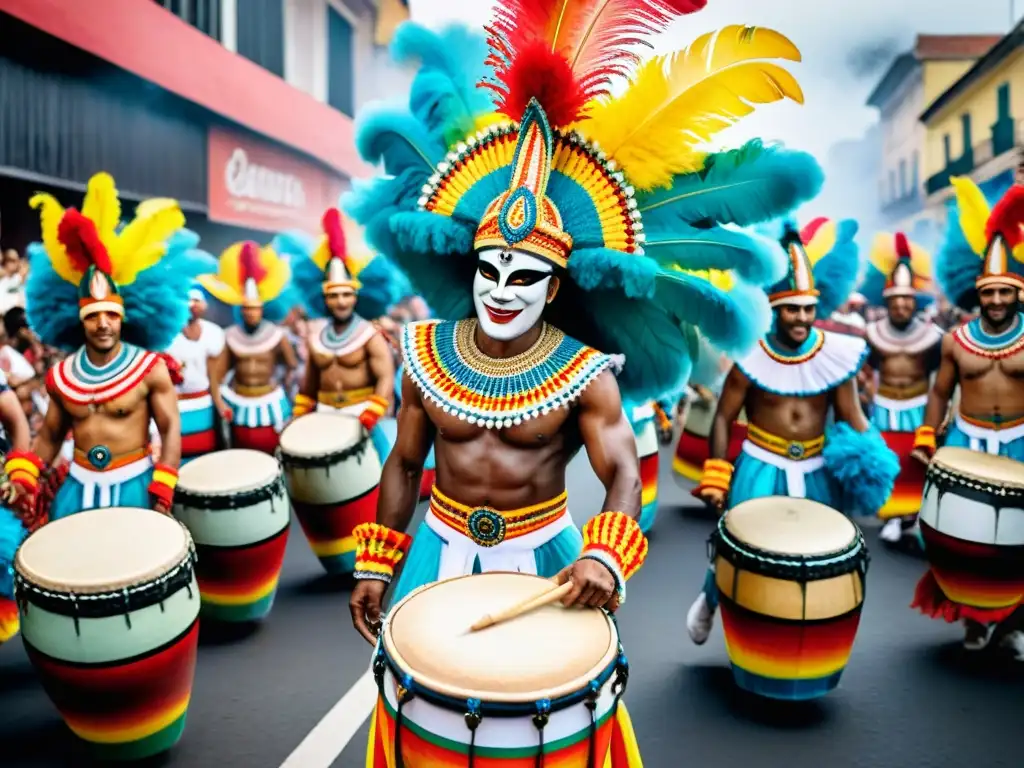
{"x":892,"y":531}
{"x":699,"y":620}
{"x":977,"y":636}
{"x":1015,"y":642}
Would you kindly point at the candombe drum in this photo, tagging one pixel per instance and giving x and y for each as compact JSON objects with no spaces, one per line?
{"x":489,"y":698}
{"x":332,"y":472}
{"x":12,"y":533}
{"x":692,"y":448}
{"x":972,"y":522}
{"x":235,"y":506}
{"x":646,"y":432}
{"x":109,"y":615}
{"x":790,"y":574}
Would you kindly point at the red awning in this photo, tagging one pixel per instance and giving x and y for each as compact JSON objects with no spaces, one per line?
{"x":143,"y":38}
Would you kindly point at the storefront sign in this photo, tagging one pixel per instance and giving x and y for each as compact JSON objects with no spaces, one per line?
{"x":254,"y":184}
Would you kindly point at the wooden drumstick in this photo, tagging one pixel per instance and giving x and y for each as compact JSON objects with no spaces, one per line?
{"x":547,"y":597}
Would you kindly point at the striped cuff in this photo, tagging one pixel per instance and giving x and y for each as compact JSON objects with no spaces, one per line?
{"x":376,"y":407}
{"x":165,"y":480}
{"x":618,"y":537}
{"x":379,"y":549}
{"x":924,"y":437}
{"x":303,"y":404}
{"x":717,"y":474}
{"x":23,"y":469}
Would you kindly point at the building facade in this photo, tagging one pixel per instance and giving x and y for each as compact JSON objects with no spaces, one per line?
{"x":913,"y":81}
{"x":240,"y":109}
{"x":974,"y":127}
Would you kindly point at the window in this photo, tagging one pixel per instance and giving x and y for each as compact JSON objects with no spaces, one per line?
{"x":204,"y":15}
{"x":1003,"y":97}
{"x":946,"y":149}
{"x":340,"y":63}
{"x":965,"y":122}
{"x":903,"y":178}
{"x":260,"y":33}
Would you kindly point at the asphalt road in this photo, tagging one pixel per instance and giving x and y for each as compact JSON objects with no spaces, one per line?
{"x":910,"y":698}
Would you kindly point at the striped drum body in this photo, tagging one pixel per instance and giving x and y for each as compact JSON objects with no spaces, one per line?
{"x":234,"y":504}
{"x":109,"y":615}
{"x":647,"y":451}
{"x":332,"y":471}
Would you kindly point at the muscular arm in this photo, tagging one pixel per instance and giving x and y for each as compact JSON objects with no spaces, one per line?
{"x":163,"y":407}
{"x":310,"y":385}
{"x":216,"y":370}
{"x":288,"y":356}
{"x":55,"y":428}
{"x":734,"y":395}
{"x":400,"y":480}
{"x":610,"y":445}
{"x":382,"y":365}
{"x":12,"y":415}
{"x":847,"y":405}
{"x":943,"y":386}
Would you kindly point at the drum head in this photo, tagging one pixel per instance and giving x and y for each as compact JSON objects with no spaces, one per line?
{"x":102,"y":550}
{"x":997,"y":470}
{"x":788,"y":526}
{"x":228,"y":472}
{"x":547,"y":653}
{"x":320,"y":434}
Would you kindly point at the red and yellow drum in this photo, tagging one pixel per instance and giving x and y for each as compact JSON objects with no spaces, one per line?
{"x":906,"y":492}
{"x":692,"y":448}
{"x":109,"y":616}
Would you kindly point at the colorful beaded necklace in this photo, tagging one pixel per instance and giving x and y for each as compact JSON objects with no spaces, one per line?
{"x":443,"y":360}
{"x":80,"y":382}
{"x":973,"y":338}
{"x":356,"y":335}
{"x":808,"y":349}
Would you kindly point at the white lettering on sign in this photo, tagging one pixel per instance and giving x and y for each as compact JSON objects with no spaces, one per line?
{"x":256,"y":182}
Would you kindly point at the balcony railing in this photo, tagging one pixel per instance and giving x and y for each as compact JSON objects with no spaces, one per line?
{"x":959,"y":167}
{"x":1004,"y":136}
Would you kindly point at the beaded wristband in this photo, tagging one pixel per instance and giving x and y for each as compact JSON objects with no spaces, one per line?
{"x":303,"y":404}
{"x":616,"y":540}
{"x":379,"y":549}
{"x":23,"y":469}
{"x":376,"y":407}
{"x":924,"y":437}
{"x":165,"y":480}
{"x":717,"y":474}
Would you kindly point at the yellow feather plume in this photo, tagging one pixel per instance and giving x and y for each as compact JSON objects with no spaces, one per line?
{"x":722,"y":280}
{"x":678,"y":102}
{"x":227,"y":286}
{"x":278,"y":274}
{"x":884,"y":257}
{"x":974,"y":212}
{"x":50,"y":214}
{"x":102,"y":206}
{"x":143,"y":241}
{"x":822,"y":243}
{"x":358,"y":253}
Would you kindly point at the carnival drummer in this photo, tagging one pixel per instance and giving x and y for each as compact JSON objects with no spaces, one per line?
{"x":116,"y":294}
{"x":788,"y":385}
{"x":258,"y":283}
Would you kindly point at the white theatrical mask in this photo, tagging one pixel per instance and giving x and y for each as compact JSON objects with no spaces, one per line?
{"x":510,"y":291}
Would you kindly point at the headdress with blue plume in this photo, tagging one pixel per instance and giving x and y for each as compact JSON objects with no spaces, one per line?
{"x":897,"y":267}
{"x":612,"y":189}
{"x":95,"y":263}
{"x":250,"y":276}
{"x":340,"y":261}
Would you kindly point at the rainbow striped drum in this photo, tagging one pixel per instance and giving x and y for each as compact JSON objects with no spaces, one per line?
{"x":109,"y":615}
{"x":790,"y":574}
{"x":332,"y":472}
{"x":235,"y":506}
{"x":489,"y":698}
{"x":647,"y":451}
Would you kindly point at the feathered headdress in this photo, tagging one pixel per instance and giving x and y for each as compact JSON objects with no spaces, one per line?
{"x":824,"y":265}
{"x":379,"y":283}
{"x":984,"y":245}
{"x":616,"y":190}
{"x":90,"y":262}
{"x":897,"y":267}
{"x":250,"y":276}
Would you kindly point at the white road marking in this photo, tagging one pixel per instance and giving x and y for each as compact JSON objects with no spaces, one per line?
{"x":329,"y":737}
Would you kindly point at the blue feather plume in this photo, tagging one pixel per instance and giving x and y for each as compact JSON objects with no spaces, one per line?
{"x":956,"y":265}
{"x":863,"y":465}
{"x":392,"y":136}
{"x":12,"y":534}
{"x":755,"y":259}
{"x":707,"y":369}
{"x":837,"y":272}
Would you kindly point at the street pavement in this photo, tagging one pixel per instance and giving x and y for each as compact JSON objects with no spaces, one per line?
{"x":910,"y":697}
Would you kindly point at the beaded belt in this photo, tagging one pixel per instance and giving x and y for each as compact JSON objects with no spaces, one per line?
{"x":193,"y":395}
{"x":346,"y":398}
{"x":903,"y":393}
{"x":100,"y":458}
{"x":791,"y":449}
{"x":993,"y":423}
{"x":489,"y":527}
{"x":255,"y":391}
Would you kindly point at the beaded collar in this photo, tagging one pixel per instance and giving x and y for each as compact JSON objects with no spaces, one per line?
{"x":442,"y":359}
{"x":79,"y":382}
{"x":812,"y":345}
{"x":325,"y":341}
{"x":972,"y":337}
{"x":823,"y":362}
{"x":242,"y":343}
{"x":918,"y":337}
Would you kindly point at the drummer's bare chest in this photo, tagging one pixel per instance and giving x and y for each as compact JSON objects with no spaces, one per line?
{"x":973,"y":366}
{"x":119,"y":407}
{"x":539,"y":431}
{"x":354,"y":360}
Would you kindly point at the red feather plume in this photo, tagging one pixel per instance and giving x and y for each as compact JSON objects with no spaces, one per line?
{"x":82,"y":242}
{"x":249,"y":263}
{"x":566,"y":53}
{"x":335,"y":232}
{"x":902,"y":246}
{"x":1007,"y":217}
{"x":811,"y":229}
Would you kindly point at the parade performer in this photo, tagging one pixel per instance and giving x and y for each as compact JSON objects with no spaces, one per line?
{"x":904,"y":352}
{"x":554,"y":225}
{"x":980,"y":264}
{"x":351,"y":368}
{"x":112,"y":294}
{"x":258,"y":283}
{"x":788,"y":385}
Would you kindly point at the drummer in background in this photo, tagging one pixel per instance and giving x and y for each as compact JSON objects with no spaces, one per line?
{"x":981,"y":263}
{"x":258,"y":282}
{"x":201,"y":352}
{"x":788,"y":385}
{"x":351,"y":369}
{"x":116,"y":293}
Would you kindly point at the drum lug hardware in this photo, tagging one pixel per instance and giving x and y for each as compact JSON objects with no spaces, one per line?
{"x":540,"y":720}
{"x":593,"y":693}
{"x":473,"y":714}
{"x":621,"y":675}
{"x":378,"y":669}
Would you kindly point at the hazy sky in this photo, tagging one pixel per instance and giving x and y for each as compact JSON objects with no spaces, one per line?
{"x":846,"y":46}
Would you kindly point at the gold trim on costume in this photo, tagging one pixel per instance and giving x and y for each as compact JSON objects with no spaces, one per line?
{"x":903,"y":393}
{"x":489,"y":527}
{"x":346,"y":398}
{"x":790,"y":449}
{"x":255,"y":391}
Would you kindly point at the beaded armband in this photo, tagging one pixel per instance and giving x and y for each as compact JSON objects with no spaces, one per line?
{"x":23,"y":469}
{"x":379,"y":549}
{"x":165,"y":480}
{"x":616,"y":541}
{"x":376,"y":407}
{"x":717,"y":474}
{"x":303,"y":404}
{"x":924,"y":437}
